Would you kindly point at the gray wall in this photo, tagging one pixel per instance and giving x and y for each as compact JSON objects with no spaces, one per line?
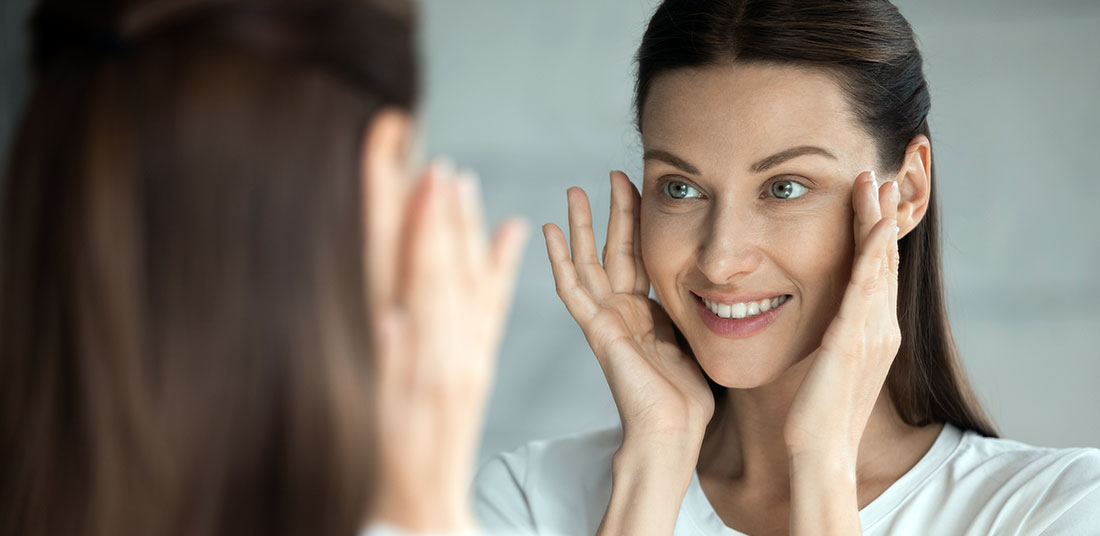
{"x":13,"y":48}
{"x":536,"y":95}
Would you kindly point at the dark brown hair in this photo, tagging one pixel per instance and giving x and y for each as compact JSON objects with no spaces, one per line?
{"x":183,"y":342}
{"x":870,"y":48}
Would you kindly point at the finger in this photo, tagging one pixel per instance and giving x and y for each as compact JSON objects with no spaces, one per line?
{"x":867,"y":282}
{"x":394,"y":360}
{"x":426,"y":247}
{"x":456,"y":237}
{"x":473,"y":219}
{"x":568,"y":284}
{"x":891,"y":197}
{"x":509,"y":243}
{"x":618,"y":259}
{"x":641,"y":277}
{"x":865,"y":205}
{"x":435,"y":271}
{"x":386,"y":198}
{"x":582,"y":241}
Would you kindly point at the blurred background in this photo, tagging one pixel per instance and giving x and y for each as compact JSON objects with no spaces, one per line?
{"x":535,"y":96}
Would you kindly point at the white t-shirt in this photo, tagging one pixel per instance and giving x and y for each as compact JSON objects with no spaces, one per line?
{"x":965,"y":484}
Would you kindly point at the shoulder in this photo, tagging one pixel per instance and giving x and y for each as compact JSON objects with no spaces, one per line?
{"x":1006,"y":456}
{"x":1046,"y":489}
{"x":558,"y":485}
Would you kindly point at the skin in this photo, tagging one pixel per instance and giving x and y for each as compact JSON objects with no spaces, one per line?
{"x":433,"y":377}
{"x":805,"y":435}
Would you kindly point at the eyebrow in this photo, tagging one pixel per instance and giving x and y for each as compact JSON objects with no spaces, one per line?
{"x":783,"y":156}
{"x":669,"y":158}
{"x":759,"y":167}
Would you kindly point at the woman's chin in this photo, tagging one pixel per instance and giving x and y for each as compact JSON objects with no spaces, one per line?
{"x":746,"y":372}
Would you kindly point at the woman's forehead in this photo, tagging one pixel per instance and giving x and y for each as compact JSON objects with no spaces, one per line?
{"x":741,"y":111}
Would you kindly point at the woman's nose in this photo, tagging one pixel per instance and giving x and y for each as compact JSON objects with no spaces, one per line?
{"x":730,"y":248}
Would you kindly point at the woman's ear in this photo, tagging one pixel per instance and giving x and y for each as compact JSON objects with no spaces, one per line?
{"x":386,"y":176}
{"x":914,"y":183}
{"x":387,"y":144}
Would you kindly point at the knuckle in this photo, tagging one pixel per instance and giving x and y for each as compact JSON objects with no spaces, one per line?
{"x":867,"y":286}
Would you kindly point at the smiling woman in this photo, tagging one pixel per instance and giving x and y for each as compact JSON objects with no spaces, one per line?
{"x":796,"y":372}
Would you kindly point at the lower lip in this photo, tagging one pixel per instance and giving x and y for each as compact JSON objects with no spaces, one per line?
{"x":737,"y":328}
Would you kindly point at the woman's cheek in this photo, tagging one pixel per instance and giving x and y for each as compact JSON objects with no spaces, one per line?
{"x":668,"y":246}
{"x":817,"y":253}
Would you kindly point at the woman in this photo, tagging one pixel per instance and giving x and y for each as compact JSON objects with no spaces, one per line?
{"x":220,"y":291}
{"x":796,"y":373}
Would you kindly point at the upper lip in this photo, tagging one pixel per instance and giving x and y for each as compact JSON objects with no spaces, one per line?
{"x":730,"y":297}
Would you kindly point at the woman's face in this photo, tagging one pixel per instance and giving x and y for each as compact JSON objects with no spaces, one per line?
{"x":746,"y":204}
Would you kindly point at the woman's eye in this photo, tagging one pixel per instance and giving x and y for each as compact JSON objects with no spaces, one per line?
{"x":786,"y":190}
{"x":679,"y":190}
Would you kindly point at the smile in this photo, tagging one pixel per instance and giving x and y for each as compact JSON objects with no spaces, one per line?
{"x":742,"y":319}
{"x":744,"y":309}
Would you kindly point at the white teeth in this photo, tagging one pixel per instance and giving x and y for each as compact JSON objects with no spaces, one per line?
{"x":744,"y":309}
{"x":738,"y":310}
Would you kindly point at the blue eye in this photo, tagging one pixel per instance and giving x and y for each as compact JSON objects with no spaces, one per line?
{"x":679,"y":190}
{"x":786,"y":190}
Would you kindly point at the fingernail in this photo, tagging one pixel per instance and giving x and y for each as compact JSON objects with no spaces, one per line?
{"x":444,"y":166}
{"x":874,"y":182}
{"x":468,"y":186}
{"x":895,"y":192}
{"x":522,"y":228}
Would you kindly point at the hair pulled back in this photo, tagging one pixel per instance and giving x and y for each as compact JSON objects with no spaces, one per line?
{"x":871,"y":50}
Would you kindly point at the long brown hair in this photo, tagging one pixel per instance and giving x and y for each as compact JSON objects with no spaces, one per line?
{"x":183,"y":324}
{"x":870,"y":48}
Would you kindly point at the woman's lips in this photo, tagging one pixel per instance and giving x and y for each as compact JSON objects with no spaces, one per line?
{"x":737,"y":328}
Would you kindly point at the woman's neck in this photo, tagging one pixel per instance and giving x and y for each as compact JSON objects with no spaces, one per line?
{"x":744,"y":444}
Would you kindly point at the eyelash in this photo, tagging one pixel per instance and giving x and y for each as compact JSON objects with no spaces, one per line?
{"x":768,"y":188}
{"x":664,"y":185}
{"x":765,"y":194}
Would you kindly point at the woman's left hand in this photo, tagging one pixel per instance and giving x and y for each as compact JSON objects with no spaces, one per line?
{"x":435,"y":352}
{"x":831,"y":408}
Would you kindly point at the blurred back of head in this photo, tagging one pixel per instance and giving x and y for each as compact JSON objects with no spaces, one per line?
{"x":183,"y":342}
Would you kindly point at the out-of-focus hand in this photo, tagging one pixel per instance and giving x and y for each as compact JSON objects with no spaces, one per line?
{"x":435,"y":351}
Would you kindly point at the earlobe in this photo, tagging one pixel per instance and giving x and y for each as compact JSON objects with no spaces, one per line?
{"x":915,"y":183}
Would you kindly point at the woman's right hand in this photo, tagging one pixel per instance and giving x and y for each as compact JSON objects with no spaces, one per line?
{"x":664,"y":401}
